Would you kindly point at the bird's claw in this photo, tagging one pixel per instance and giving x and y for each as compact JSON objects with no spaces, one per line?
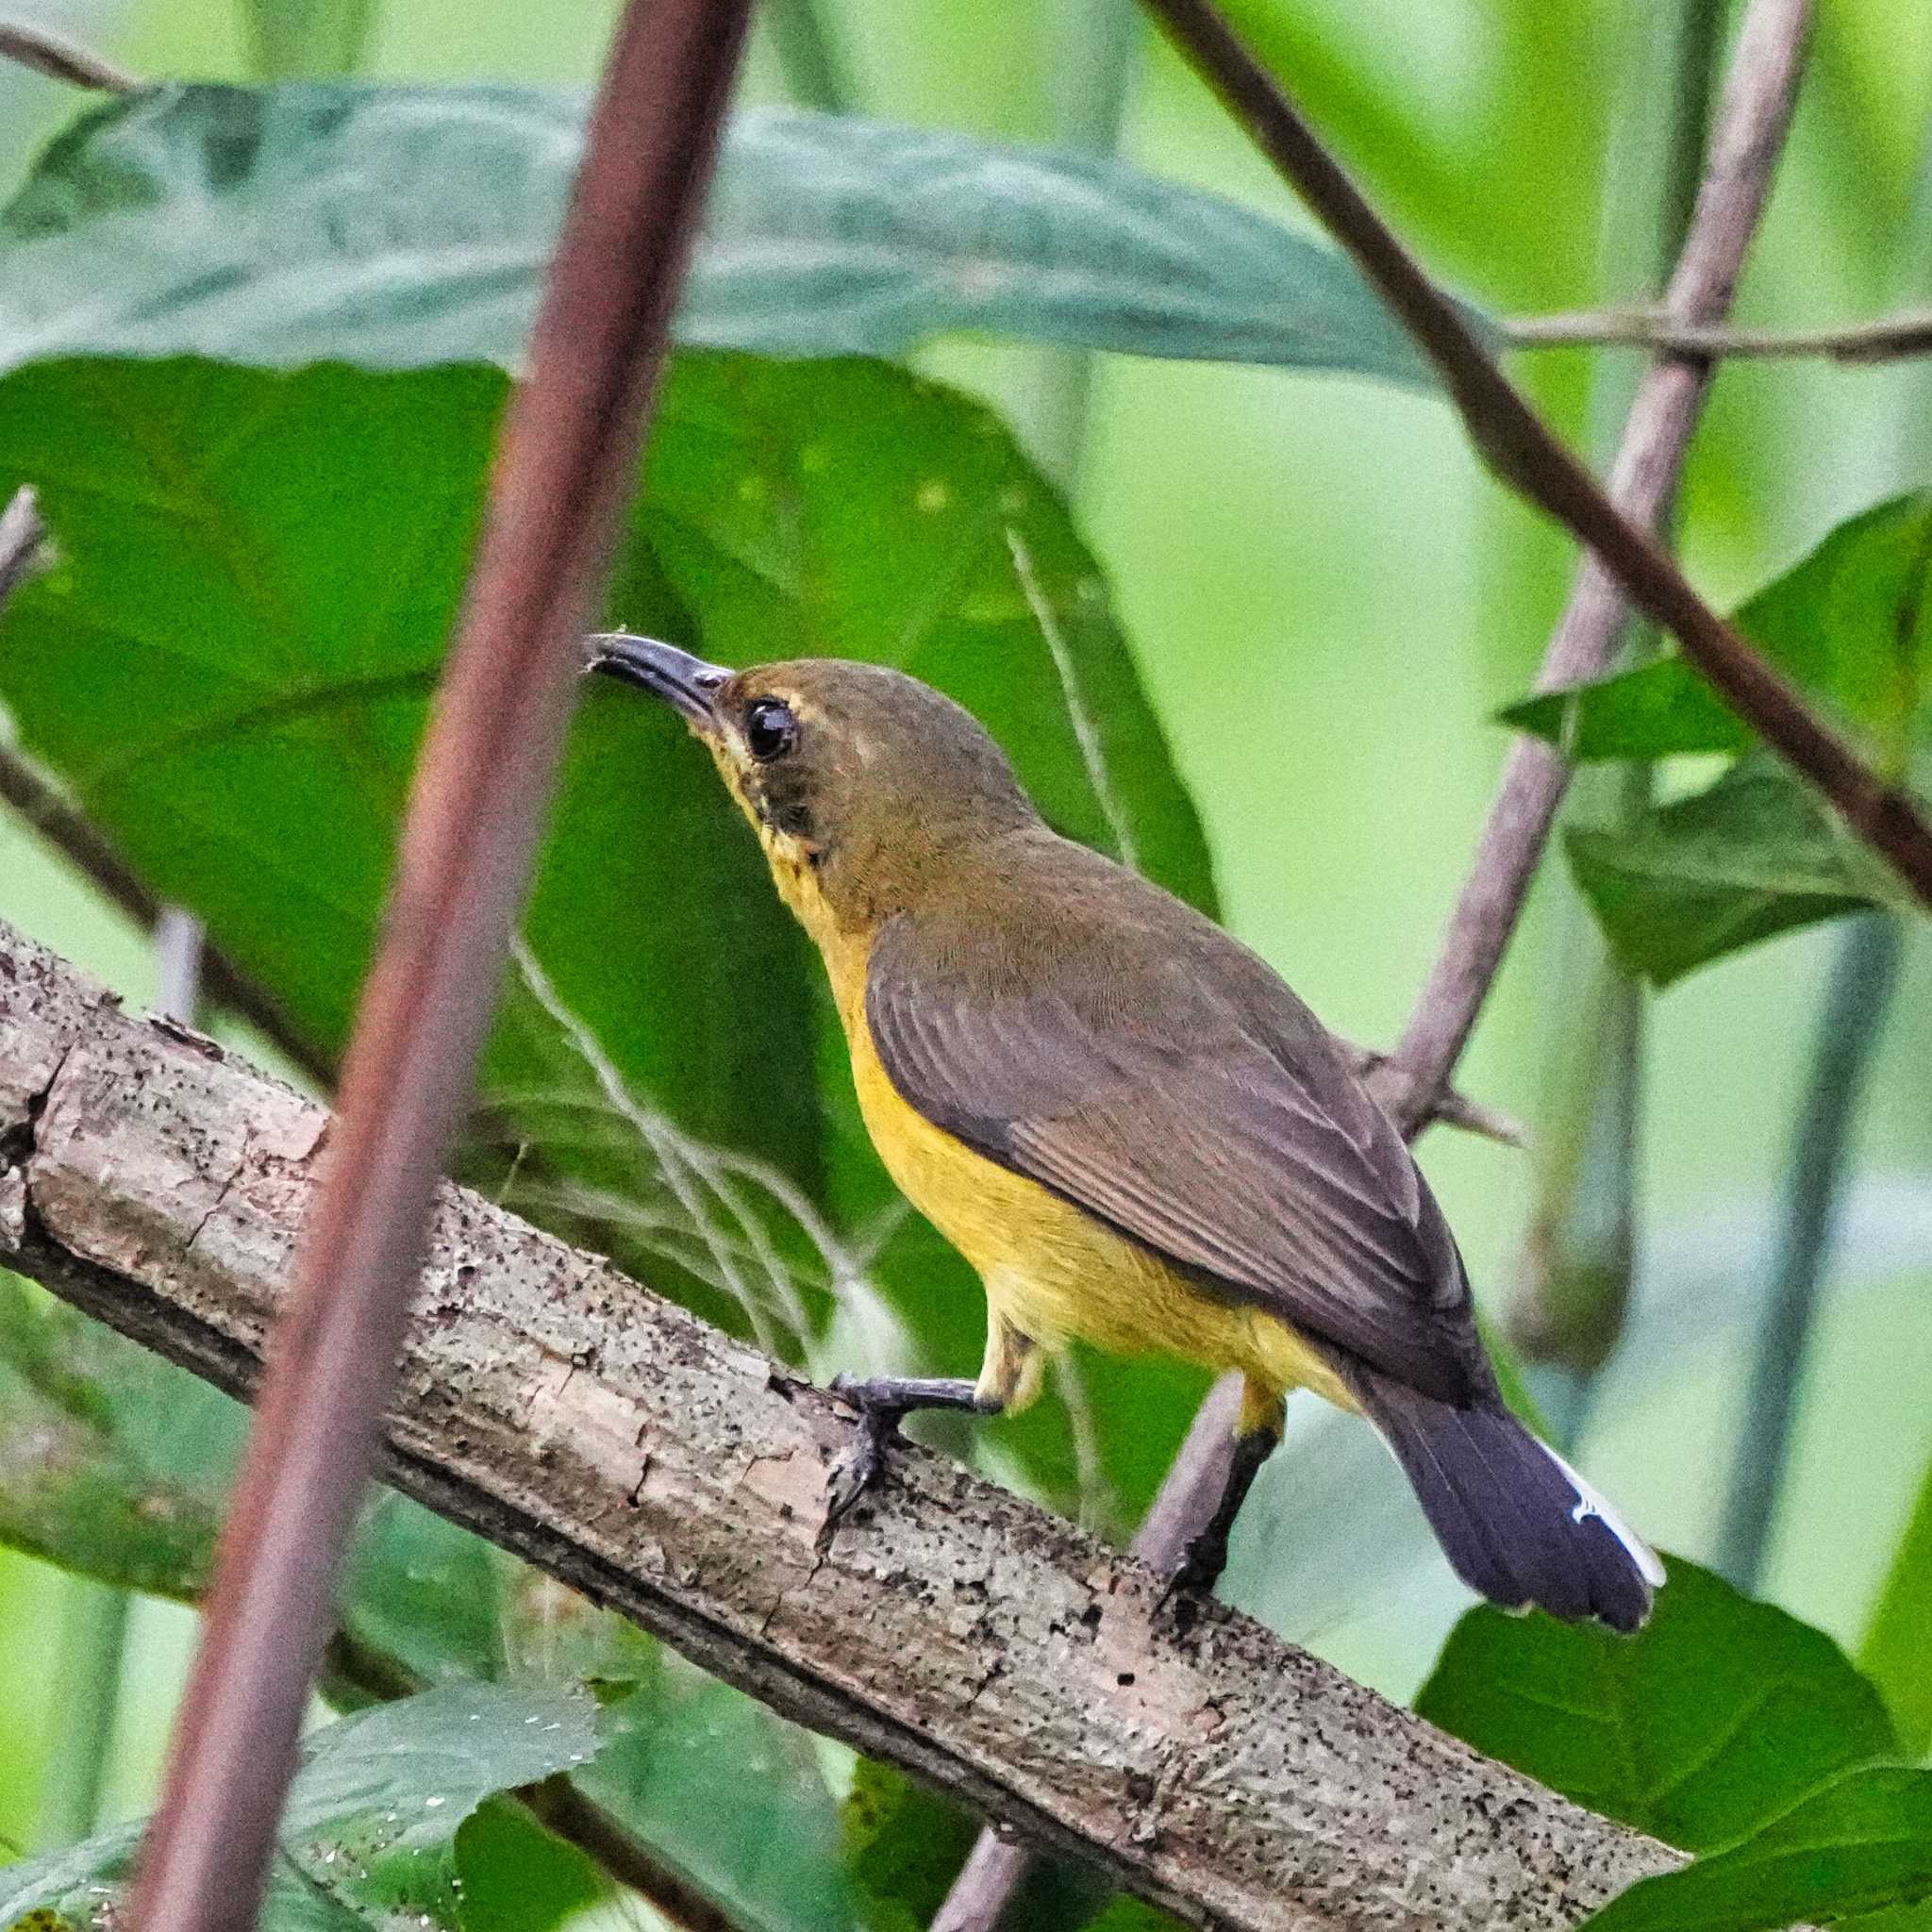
{"x":1199,"y":1569}
{"x":865,"y":1462}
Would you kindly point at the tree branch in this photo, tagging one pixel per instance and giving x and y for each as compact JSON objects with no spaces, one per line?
{"x":1512,"y":439}
{"x":1752,"y":121}
{"x":60,"y":58}
{"x":1888,"y":340}
{"x":681,"y":1479}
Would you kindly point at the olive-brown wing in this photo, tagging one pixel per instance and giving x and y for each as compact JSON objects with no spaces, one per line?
{"x":1204,"y":1115}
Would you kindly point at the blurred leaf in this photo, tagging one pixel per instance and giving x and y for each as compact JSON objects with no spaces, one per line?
{"x":237,"y":222}
{"x":424,"y":1594}
{"x":1716,"y":1716}
{"x":1897,"y":1651}
{"x":372,"y":1816}
{"x":516,"y":1876}
{"x":1851,"y":625}
{"x":78,"y":1486}
{"x":1755,"y":854}
{"x":905,"y":1845}
{"x":318,"y":39}
{"x":1855,"y":1849}
{"x":730,"y":1795}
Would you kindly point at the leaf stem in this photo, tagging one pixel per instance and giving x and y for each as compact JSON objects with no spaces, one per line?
{"x":1862,"y":979}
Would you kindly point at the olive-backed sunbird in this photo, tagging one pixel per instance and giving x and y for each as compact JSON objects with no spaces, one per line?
{"x":1124,"y":1120}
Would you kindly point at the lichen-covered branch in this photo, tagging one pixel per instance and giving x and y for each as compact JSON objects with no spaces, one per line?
{"x":681,"y":1479}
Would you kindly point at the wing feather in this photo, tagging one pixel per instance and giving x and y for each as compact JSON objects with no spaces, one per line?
{"x":1201,"y":1112}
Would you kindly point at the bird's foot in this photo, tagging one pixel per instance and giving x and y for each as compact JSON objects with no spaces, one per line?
{"x":865,"y":1462}
{"x":1199,"y":1569}
{"x":882,"y":1402}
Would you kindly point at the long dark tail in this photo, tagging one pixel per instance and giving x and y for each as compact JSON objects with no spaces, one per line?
{"x":1514,"y":1519}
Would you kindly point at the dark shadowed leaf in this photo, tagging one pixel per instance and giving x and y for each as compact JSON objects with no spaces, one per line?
{"x":1856,"y":1852}
{"x":1718,"y":1715}
{"x":372,"y":1814}
{"x":516,"y":1877}
{"x":1755,"y":854}
{"x":1851,"y":623}
{"x":237,"y":222}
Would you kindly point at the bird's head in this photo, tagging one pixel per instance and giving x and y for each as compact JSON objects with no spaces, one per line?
{"x":864,"y":785}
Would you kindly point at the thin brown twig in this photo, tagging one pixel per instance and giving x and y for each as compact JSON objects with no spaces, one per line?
{"x":1890,"y":337}
{"x":60,"y":58}
{"x":1750,"y":129}
{"x":1522,"y":452}
{"x":568,"y":462}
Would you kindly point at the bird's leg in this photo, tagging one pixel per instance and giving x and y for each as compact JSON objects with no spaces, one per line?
{"x":881,"y":1403}
{"x":1258,"y":1433}
{"x":1005,"y":1380}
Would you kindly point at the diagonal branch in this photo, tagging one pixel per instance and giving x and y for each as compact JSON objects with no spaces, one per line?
{"x":1522,"y":453}
{"x":682,"y":1478}
{"x":568,"y":462}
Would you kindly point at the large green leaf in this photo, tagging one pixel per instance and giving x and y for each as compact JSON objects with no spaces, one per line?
{"x":229,"y":668}
{"x":1755,"y":854}
{"x":1897,"y":1651}
{"x":368,"y":1830}
{"x":1718,"y":1715}
{"x":1856,"y":1852}
{"x":237,"y":222}
{"x":1851,"y":623}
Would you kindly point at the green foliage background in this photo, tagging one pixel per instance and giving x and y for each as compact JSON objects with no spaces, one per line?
{"x":1328,"y":605}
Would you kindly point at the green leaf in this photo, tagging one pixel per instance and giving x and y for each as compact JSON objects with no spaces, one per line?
{"x":1755,"y":854}
{"x":1851,"y":625}
{"x":1719,"y":1714}
{"x":372,"y":1816}
{"x":1861,"y":1845}
{"x":236,"y":221}
{"x":730,"y":1795}
{"x":82,"y":1482}
{"x":1896,"y":1654}
{"x":516,"y":1876}
{"x":318,"y":39}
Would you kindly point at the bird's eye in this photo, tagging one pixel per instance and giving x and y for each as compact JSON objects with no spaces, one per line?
{"x":770,"y":729}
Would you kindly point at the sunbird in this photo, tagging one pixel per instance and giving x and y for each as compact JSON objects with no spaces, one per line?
{"x":1126,"y":1122}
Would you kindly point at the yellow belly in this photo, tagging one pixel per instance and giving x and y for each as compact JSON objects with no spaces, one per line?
{"x":1053,"y":1272}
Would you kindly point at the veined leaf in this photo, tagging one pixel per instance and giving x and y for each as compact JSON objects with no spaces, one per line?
{"x":372,"y":1817}
{"x":1755,"y":854}
{"x":1716,"y":1716}
{"x":237,"y":221}
{"x":1897,"y":1651}
{"x":1851,"y":623}
{"x":1857,"y":1853}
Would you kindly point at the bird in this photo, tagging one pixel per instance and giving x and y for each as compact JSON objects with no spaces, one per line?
{"x":1126,"y":1122}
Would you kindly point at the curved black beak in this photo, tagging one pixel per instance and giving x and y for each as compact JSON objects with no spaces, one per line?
{"x":662,"y":670}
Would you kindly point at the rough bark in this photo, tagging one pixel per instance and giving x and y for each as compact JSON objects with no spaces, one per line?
{"x":565,"y":1412}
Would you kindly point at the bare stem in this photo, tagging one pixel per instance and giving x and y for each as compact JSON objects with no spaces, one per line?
{"x":1888,"y":340}
{"x":60,"y":58}
{"x":1862,"y":979}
